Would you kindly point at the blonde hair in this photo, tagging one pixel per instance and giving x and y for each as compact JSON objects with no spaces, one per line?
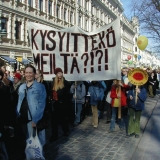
{"x":41,"y":77}
{"x":58,"y":84}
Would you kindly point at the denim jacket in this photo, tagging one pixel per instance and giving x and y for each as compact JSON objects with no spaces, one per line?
{"x":140,"y":100}
{"x":36,"y":98}
{"x":80,"y":93}
{"x":96,"y":92}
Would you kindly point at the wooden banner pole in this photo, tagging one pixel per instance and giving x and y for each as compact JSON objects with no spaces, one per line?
{"x":136,"y":95}
{"x":119,"y":108}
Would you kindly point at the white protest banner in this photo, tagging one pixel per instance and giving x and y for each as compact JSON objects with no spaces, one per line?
{"x":81,"y":55}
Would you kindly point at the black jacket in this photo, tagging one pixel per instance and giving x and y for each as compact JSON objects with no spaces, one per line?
{"x":63,"y":94}
{"x":5,"y":106}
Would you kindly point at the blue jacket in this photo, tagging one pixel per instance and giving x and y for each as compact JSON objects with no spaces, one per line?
{"x":80,"y":92}
{"x":36,"y":98}
{"x":140,"y":100}
{"x":96,"y":92}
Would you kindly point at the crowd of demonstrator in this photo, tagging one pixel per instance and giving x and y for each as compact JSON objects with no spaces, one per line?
{"x":26,"y":96}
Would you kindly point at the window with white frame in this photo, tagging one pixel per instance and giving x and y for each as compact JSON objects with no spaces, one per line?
{"x":4,"y":24}
{"x":65,"y":14}
{"x":30,"y":3}
{"x":86,"y":25}
{"x":50,"y":7}
{"x":79,"y":21}
{"x":71,"y":17}
{"x":79,"y":2}
{"x":18,"y":30}
{"x":41,"y":5}
{"x":135,"y":49}
{"x":57,"y":11}
{"x":92,"y":26}
{"x":86,"y":5}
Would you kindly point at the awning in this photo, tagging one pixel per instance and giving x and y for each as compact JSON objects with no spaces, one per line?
{"x":25,"y":61}
{"x":8,"y":59}
{"x":31,"y":60}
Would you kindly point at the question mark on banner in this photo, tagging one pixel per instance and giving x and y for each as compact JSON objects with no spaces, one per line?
{"x":85,"y":62}
{"x":99,"y":60}
{"x":92,"y":62}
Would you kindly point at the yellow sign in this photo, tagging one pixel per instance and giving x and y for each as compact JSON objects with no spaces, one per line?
{"x":19,"y":59}
{"x":137,"y":76}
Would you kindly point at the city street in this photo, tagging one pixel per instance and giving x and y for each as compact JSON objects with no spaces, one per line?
{"x":87,"y":143}
{"x":60,"y":59}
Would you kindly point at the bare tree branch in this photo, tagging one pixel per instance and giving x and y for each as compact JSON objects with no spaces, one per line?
{"x":157,"y":4}
{"x":148,"y":13}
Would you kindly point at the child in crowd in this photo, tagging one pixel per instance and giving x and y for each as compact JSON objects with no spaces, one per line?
{"x":135,"y":109}
{"x":118,"y":100}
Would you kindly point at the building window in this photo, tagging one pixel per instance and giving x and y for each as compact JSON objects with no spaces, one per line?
{"x":79,"y":2}
{"x":86,"y":3}
{"x":136,"y":40}
{"x":50,"y":7}
{"x":57,"y":11}
{"x":41,"y":5}
{"x":91,"y":26}
{"x":65,"y":14}
{"x":79,"y":21}
{"x":92,"y":9}
{"x":135,"y":49}
{"x":30,"y":3}
{"x":18,"y":30}
{"x":71,"y":16}
{"x":86,"y":26}
{"x":4,"y":24}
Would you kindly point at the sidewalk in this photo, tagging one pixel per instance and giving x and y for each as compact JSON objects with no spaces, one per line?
{"x":149,"y":145}
{"x":87,"y":143}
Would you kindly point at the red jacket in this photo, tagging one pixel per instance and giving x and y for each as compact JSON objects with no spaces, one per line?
{"x":114,"y":95}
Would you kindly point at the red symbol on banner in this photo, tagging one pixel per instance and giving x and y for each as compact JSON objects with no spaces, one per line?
{"x":85,"y":62}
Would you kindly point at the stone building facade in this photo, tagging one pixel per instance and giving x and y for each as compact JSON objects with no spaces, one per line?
{"x":87,"y":14}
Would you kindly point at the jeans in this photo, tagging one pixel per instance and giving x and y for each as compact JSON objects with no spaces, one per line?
{"x":113,"y":119}
{"x":78,"y":113}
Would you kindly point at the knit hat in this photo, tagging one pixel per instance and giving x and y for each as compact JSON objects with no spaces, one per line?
{"x":18,"y":76}
{"x":58,"y":70}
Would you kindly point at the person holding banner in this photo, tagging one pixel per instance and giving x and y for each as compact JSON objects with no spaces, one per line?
{"x":78,"y":90}
{"x":96,"y":92}
{"x":118,"y":100}
{"x":135,"y":109}
{"x":60,"y":97}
